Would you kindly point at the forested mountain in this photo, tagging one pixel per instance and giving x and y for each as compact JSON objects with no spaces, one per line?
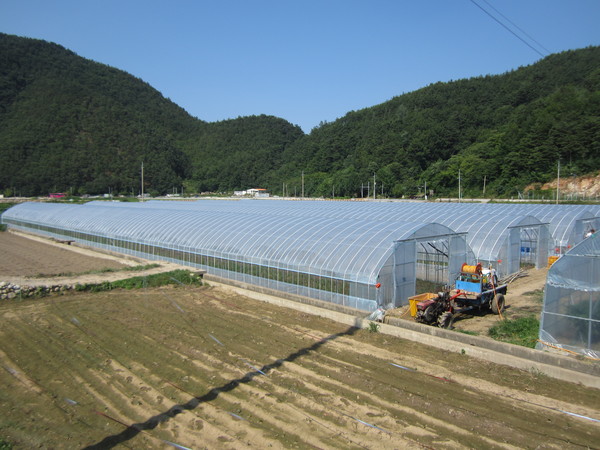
{"x":71,"y":124}
{"x":239,"y":153}
{"x":68,"y":124}
{"x":509,"y":129}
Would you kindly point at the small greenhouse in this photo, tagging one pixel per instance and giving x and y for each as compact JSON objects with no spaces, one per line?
{"x":354,"y":262}
{"x":571,"y":311}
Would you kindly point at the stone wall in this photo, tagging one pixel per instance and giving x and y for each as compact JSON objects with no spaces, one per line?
{"x":10,"y":291}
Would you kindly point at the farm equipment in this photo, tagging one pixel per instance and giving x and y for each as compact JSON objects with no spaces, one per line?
{"x":475,"y":289}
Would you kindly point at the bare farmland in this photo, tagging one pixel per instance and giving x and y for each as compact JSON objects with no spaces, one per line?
{"x":207,"y":368}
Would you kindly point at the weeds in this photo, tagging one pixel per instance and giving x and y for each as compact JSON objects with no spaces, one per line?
{"x":373,"y":327}
{"x":5,"y":445}
{"x":105,"y":270}
{"x":469,"y":332}
{"x":178,"y":277}
{"x":523,"y":331}
{"x":538,"y":295}
{"x":536,"y":372}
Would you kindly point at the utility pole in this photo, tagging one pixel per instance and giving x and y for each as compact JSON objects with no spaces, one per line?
{"x":142,"y":180}
{"x":484,"y":180}
{"x":459,"y":193}
{"x":374,"y":190}
{"x":303,"y":184}
{"x":558,"y":182}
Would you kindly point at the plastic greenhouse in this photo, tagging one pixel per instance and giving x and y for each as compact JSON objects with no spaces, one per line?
{"x":333,"y":251}
{"x":503,"y":238}
{"x":354,"y":262}
{"x":571,"y":311}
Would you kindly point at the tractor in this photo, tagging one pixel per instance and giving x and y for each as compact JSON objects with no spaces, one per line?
{"x":475,"y":289}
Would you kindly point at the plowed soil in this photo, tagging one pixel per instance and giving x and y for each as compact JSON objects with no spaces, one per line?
{"x":207,"y":368}
{"x":28,"y":257}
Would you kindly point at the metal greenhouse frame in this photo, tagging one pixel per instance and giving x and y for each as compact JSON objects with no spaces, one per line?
{"x":353,"y":262}
{"x":487,"y":227}
{"x":567,"y":224}
{"x":320,"y":243}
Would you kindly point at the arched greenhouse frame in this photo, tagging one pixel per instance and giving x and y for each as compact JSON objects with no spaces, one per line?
{"x":358,"y":263}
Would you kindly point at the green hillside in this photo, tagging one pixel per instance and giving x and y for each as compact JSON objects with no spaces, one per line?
{"x":69,"y":124}
{"x":240,"y":153}
{"x":510,"y":129}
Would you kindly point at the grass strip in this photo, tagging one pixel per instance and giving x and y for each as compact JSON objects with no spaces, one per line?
{"x":523,"y":331}
{"x":105,"y":270}
{"x":176,"y":277}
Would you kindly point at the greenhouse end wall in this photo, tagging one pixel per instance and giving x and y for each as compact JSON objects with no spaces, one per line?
{"x":571,"y":311}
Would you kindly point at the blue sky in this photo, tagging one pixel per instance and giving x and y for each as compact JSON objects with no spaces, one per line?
{"x":306,"y":61}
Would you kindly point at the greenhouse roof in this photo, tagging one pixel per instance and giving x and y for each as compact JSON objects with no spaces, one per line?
{"x":579,"y":268}
{"x":345,"y":248}
{"x":485,"y":225}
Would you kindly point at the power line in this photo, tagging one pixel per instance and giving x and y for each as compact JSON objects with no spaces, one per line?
{"x":509,"y":30}
{"x":517,"y":27}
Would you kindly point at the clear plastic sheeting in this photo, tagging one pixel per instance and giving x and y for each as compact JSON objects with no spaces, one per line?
{"x":571,"y":311}
{"x":354,"y":262}
{"x":487,"y":227}
{"x":342,"y":243}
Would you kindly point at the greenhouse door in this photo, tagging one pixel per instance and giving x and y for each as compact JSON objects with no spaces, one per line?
{"x":527,"y":245}
{"x":404,"y":273}
{"x":432,"y":264}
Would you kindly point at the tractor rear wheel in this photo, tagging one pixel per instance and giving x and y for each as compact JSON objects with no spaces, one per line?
{"x":446,"y":320}
{"x":498,"y":304}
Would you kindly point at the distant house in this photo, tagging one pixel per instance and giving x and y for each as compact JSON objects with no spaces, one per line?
{"x":255,"y":192}
{"x":57,"y":195}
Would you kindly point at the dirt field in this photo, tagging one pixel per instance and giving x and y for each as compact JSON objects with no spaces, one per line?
{"x":206,"y":368}
{"x":30,"y":260}
{"x":25,"y":257}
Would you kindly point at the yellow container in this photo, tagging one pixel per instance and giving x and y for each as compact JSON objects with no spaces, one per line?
{"x":471,"y":269}
{"x":552,"y":260}
{"x":412,"y":301}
